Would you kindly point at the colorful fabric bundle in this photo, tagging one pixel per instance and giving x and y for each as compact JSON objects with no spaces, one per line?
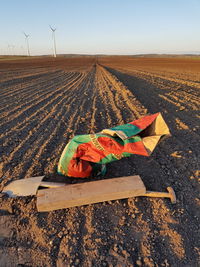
{"x":138,"y":137}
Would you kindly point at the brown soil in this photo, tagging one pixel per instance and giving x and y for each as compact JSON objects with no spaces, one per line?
{"x":44,"y":102}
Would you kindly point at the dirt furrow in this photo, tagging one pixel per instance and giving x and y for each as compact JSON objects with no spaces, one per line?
{"x":37,"y":104}
{"x":7,"y":76}
{"x":60,"y":104}
{"x":76,"y":119}
{"x":156,"y":97}
{"x":19,"y":83}
{"x":154,"y":75}
{"x":71,"y":118}
{"x":21,"y":98}
{"x":128,"y":98}
{"x":37,"y":96}
{"x":46,"y":125}
{"x":22,"y":129}
{"x":162,"y":81}
{"x":107,"y":97}
{"x":26,"y":86}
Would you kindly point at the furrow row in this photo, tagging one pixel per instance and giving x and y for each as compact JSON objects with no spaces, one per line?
{"x":64,"y":116}
{"x":35,"y":106}
{"x":9,"y":74}
{"x":19,"y":83}
{"x":38,"y":93}
{"x":130,"y":101}
{"x":70,"y":118}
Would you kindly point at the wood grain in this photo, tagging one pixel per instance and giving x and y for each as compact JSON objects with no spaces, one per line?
{"x":89,"y":193}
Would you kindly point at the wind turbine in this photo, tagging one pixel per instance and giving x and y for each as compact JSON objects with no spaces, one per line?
{"x":54,"y":40}
{"x":27,"y":43}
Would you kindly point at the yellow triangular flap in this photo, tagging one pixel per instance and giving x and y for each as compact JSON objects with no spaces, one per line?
{"x":150,"y":142}
{"x":159,"y":127}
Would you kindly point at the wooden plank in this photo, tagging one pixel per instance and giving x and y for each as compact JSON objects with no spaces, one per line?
{"x":89,"y":192}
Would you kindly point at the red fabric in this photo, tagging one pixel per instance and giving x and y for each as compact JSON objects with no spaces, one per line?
{"x":89,"y":152}
{"x":80,"y":168}
{"x":136,"y":148}
{"x":144,"y":122}
{"x":110,"y":145}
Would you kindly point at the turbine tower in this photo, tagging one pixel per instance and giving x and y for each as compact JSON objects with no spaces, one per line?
{"x":27,"y":43}
{"x":54,"y":40}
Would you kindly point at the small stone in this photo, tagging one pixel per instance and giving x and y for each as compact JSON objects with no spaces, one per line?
{"x":60,"y":234}
{"x":125,"y":253}
{"x":115,"y":248}
{"x":138,"y":262}
{"x":120,"y":247}
{"x":166,"y":263}
{"x":77,"y":261}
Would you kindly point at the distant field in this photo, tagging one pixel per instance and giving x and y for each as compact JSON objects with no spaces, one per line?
{"x":5,"y":58}
{"x":45,"y":102}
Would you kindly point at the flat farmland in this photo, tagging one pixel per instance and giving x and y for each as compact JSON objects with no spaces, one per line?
{"x":43,"y":103}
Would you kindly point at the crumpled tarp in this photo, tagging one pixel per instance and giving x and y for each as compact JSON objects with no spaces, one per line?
{"x":82,"y":154}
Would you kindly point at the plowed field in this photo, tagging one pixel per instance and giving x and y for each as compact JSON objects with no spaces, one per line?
{"x":45,"y":102}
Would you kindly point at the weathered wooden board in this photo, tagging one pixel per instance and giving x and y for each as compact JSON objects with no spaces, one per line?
{"x":89,"y":192}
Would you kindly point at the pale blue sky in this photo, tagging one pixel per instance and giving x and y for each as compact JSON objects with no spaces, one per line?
{"x":101,"y":26}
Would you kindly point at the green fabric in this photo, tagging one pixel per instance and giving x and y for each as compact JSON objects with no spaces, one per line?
{"x":128,"y":129}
